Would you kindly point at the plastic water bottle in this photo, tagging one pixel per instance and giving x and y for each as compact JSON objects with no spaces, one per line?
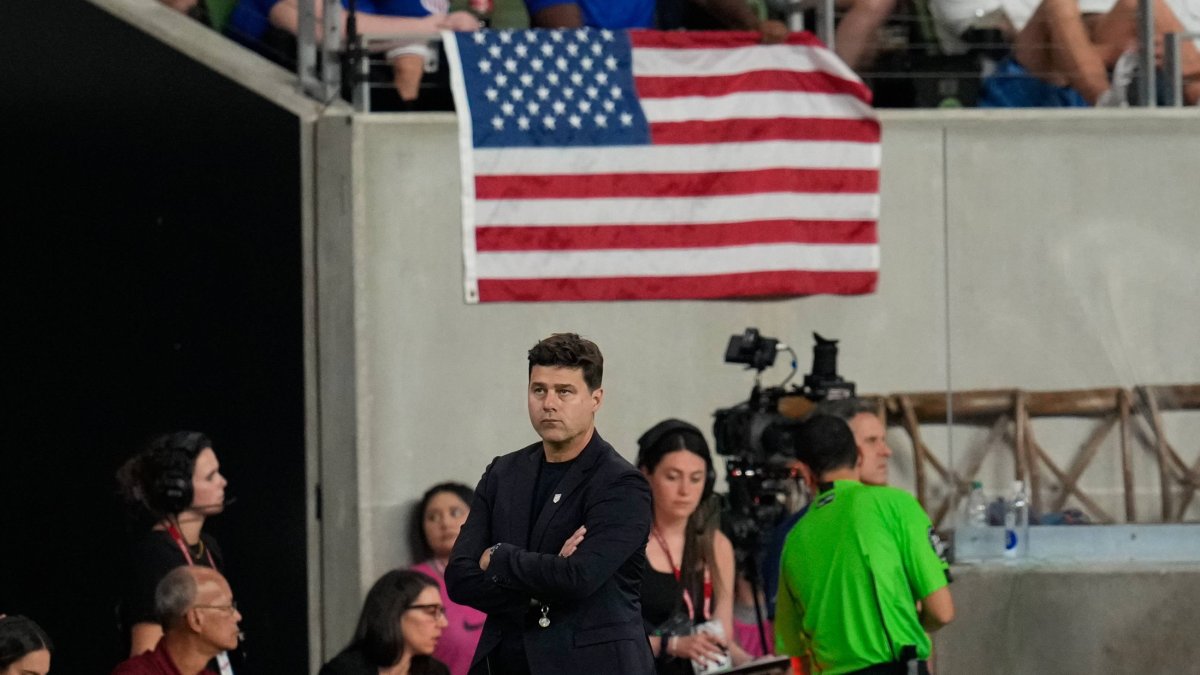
{"x":1016,"y":522}
{"x":971,"y":538}
{"x":976,"y":513}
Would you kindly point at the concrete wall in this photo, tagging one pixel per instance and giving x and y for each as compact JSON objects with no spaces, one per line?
{"x":1072,"y":620}
{"x":1019,"y":250}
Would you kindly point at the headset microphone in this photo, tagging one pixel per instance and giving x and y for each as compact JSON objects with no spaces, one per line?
{"x":208,"y":508}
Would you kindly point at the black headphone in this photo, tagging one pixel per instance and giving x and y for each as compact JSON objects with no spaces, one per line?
{"x":169,"y":469}
{"x":657,"y":432}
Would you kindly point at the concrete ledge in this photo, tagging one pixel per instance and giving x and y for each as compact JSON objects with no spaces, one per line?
{"x":1074,"y":544}
{"x":1065,"y":619}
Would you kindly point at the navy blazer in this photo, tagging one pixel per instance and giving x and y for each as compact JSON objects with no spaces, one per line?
{"x":593,"y":595}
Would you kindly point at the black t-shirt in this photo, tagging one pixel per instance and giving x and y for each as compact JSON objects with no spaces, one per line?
{"x":549,"y":475}
{"x":509,"y":656}
{"x":663,"y":609}
{"x":151,"y":558}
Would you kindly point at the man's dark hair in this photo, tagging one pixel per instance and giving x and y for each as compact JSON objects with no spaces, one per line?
{"x":378,"y":635}
{"x":20,"y":636}
{"x":568,"y":350}
{"x":417,"y":543}
{"x":825,"y":443}
{"x":846,"y":408}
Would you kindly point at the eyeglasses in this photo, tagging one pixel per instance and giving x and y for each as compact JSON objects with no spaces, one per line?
{"x":435,"y":610}
{"x":228,"y":609}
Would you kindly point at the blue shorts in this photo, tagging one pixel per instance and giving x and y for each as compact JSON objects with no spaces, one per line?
{"x":613,"y":14}
{"x":1011,"y":86}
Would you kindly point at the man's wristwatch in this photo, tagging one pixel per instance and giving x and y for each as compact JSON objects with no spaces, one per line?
{"x":492,"y":550}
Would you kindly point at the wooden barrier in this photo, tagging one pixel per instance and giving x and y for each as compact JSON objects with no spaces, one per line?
{"x":1009,"y":413}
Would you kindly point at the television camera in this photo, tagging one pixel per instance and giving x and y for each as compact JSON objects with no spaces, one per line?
{"x":758,"y":439}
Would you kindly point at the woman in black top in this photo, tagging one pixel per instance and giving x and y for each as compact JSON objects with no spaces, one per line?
{"x":690,"y":564}
{"x":401,"y":621}
{"x":175,"y":484}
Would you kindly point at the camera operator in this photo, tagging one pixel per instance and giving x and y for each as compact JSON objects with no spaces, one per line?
{"x":856,"y":565}
{"x":870,"y":437}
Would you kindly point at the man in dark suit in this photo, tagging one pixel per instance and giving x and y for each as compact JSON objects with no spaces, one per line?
{"x":554,"y":546}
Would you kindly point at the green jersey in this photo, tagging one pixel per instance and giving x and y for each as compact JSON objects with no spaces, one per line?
{"x":852,"y":571}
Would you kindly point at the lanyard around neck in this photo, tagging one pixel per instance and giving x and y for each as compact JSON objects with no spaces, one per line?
{"x":687,"y":596}
{"x":187,"y":555}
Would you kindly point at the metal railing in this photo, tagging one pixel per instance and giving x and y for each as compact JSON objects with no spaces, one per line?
{"x":1173,"y":66}
{"x":320,"y":61}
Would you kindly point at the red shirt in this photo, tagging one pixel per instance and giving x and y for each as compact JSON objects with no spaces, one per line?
{"x":153,"y":662}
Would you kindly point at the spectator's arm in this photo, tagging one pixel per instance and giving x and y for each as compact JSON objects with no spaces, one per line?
{"x":618,"y":524}
{"x":561,"y":15}
{"x":738,"y":14}
{"x":285,"y":15}
{"x":183,"y":6}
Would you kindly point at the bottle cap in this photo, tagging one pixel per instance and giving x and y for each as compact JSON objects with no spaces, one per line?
{"x":977,"y":485}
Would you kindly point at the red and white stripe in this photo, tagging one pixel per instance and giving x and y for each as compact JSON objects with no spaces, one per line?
{"x":763,"y":179}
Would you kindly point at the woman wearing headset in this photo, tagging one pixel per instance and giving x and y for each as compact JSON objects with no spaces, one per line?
{"x":175,"y":484}
{"x":689,"y":578}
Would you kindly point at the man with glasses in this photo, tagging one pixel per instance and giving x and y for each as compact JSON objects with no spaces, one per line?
{"x":200,"y":621}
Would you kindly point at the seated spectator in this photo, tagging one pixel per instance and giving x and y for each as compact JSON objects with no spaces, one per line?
{"x":401,"y":621}
{"x":269,"y":27}
{"x":1064,"y":52}
{"x":729,"y":14}
{"x":24,"y":647}
{"x":199,"y":619}
{"x":436,"y":521}
{"x":856,"y":37}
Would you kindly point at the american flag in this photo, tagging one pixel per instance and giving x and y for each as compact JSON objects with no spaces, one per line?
{"x":614,"y":165}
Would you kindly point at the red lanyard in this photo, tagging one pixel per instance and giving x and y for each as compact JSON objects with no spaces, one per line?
{"x":174,"y":532}
{"x":687,"y":596}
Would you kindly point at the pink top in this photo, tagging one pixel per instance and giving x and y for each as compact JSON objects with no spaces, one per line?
{"x":748,"y":638}
{"x":456,"y":647}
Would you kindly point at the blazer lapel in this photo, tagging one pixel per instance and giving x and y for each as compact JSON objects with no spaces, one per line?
{"x":522,"y":490}
{"x":569,"y":483}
